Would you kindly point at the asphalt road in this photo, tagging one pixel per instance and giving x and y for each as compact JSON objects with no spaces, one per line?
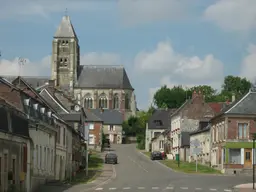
{"x":137,"y":173}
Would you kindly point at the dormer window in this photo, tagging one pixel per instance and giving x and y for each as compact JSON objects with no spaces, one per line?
{"x":49,"y":114}
{"x":158,"y":122}
{"x":26,"y":102}
{"x":35,"y":106}
{"x":42,"y":110}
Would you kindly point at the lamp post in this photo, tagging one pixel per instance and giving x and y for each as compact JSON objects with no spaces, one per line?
{"x":253,"y":160}
{"x":178,"y":149}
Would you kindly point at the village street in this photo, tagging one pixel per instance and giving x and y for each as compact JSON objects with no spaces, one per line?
{"x":135,"y":172}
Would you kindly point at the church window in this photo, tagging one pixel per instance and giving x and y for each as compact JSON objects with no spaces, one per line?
{"x":116,"y":101}
{"x":88,"y":102}
{"x":61,"y":60}
{"x":66,"y":42}
{"x":63,"y":42}
{"x":127,"y":102}
{"x":65,"y":60}
{"x":103,"y":101}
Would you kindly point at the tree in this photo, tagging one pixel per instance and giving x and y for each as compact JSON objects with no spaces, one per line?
{"x":162,"y":97}
{"x":235,"y":85}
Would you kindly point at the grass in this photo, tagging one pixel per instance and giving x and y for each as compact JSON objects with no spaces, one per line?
{"x":94,"y":170}
{"x":146,"y":153}
{"x":187,"y":167}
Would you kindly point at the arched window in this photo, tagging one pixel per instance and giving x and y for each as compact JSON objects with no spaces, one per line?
{"x":116,"y":102}
{"x":127,"y":101}
{"x":88,"y":102}
{"x":103,"y":101}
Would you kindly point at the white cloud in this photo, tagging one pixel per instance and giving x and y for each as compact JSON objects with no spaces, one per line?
{"x":235,"y":15}
{"x":248,"y":66}
{"x":12,"y":67}
{"x":177,"y":68}
{"x":17,"y":8}
{"x":94,"y":58}
{"x":145,"y":11}
{"x":43,"y":67}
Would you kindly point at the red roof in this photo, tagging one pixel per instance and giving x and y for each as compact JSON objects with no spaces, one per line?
{"x":216,"y":107}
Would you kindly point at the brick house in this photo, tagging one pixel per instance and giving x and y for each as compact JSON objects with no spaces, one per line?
{"x":186,"y":119}
{"x":231,"y":141}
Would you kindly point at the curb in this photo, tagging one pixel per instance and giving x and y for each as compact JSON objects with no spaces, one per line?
{"x":219,"y":175}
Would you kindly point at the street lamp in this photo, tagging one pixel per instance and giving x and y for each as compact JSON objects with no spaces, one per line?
{"x":253,"y":160}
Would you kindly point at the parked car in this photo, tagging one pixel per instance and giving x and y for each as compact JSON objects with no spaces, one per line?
{"x":156,"y":155}
{"x":111,"y":158}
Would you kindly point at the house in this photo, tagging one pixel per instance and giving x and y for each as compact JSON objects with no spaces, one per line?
{"x":95,"y":126}
{"x":62,"y":167}
{"x":186,"y":119}
{"x":112,"y":124}
{"x":231,"y":139}
{"x":157,"y":123}
{"x":161,"y":142}
{"x":42,"y":130}
{"x":15,"y":144}
{"x":201,"y":139}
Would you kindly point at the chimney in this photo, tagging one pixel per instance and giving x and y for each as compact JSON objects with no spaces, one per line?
{"x":51,"y":83}
{"x":194,"y":94}
{"x":233,"y":97}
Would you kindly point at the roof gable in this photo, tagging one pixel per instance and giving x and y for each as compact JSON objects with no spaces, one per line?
{"x":245,"y":106}
{"x":162,"y":115}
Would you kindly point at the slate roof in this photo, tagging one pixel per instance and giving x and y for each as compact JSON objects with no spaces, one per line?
{"x":163,"y":115}
{"x":72,"y":116}
{"x":185,"y":139}
{"x":32,"y":81}
{"x":91,"y":117}
{"x":65,"y":29}
{"x":105,"y":76}
{"x":204,"y":129}
{"x":109,"y":116}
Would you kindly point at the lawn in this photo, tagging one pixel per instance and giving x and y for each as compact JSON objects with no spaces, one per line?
{"x":189,"y":167}
{"x":95,"y":162}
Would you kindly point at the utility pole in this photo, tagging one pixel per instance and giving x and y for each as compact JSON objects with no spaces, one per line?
{"x":21,"y":62}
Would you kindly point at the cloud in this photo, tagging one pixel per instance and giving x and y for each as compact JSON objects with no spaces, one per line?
{"x":27,"y":8}
{"x":178,"y":68}
{"x":145,"y":11}
{"x":233,"y":15}
{"x":43,"y":67}
{"x":248,"y":66}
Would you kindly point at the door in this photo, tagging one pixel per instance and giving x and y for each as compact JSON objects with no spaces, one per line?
{"x":247,"y":158}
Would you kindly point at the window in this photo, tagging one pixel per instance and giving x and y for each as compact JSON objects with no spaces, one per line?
{"x":0,"y":172}
{"x":91,"y":139}
{"x":44,"y":156}
{"x":48,"y":159}
{"x":40,"y":157}
{"x":248,"y":156}
{"x":242,"y":130}
{"x":235,"y":156}
{"x":91,"y":126}
{"x":116,"y":101}
{"x":158,"y":122}
{"x":52,"y":161}
{"x":103,"y":101}
{"x":5,"y":163}
{"x":88,"y":102}
{"x":127,"y":101}
{"x":111,"y":128}
{"x":35,"y":156}
{"x":64,"y":136}
{"x":13,"y":170}
{"x":161,"y":144}
{"x":58,"y":134}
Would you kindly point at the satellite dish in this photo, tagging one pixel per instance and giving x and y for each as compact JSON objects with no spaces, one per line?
{"x":77,"y":108}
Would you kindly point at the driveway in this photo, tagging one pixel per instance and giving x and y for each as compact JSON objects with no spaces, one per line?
{"x":137,"y":173}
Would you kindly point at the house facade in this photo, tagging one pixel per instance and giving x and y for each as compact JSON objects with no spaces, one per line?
{"x":157,"y":124}
{"x":203,"y":137}
{"x":186,"y":119}
{"x":231,"y":135}
{"x":15,"y":148}
{"x":161,"y":142}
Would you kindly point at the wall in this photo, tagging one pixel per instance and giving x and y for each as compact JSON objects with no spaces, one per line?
{"x":43,"y":156}
{"x":156,"y":143}
{"x":150,"y":135}
{"x":117,"y":132}
{"x":205,"y":142}
{"x":175,"y":131}
{"x":81,"y":94}
{"x":13,"y":147}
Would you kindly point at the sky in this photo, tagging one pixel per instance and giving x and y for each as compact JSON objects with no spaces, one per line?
{"x":160,"y":42}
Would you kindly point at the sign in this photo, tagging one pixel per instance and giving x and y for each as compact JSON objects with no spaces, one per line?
{"x":197,"y":151}
{"x":195,"y":143}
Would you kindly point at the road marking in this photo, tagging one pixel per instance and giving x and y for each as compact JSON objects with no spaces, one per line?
{"x":227,"y":190}
{"x":99,"y":189}
{"x":141,"y":187}
{"x":169,"y":187}
{"x":137,"y":164}
{"x":112,"y":188}
{"x":185,"y":188}
{"x":126,"y":188}
{"x":198,"y":189}
{"x":213,"y":189}
{"x":155,"y":187}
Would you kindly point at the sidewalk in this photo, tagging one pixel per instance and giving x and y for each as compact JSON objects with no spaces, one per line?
{"x":247,"y":187}
{"x":108,"y":172}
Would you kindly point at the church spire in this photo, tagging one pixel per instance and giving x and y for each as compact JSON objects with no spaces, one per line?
{"x":65,"y":29}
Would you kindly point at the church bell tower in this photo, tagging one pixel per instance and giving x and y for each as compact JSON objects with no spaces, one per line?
{"x":65,"y":55}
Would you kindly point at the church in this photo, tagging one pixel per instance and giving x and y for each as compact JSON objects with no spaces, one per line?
{"x":94,"y":86}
